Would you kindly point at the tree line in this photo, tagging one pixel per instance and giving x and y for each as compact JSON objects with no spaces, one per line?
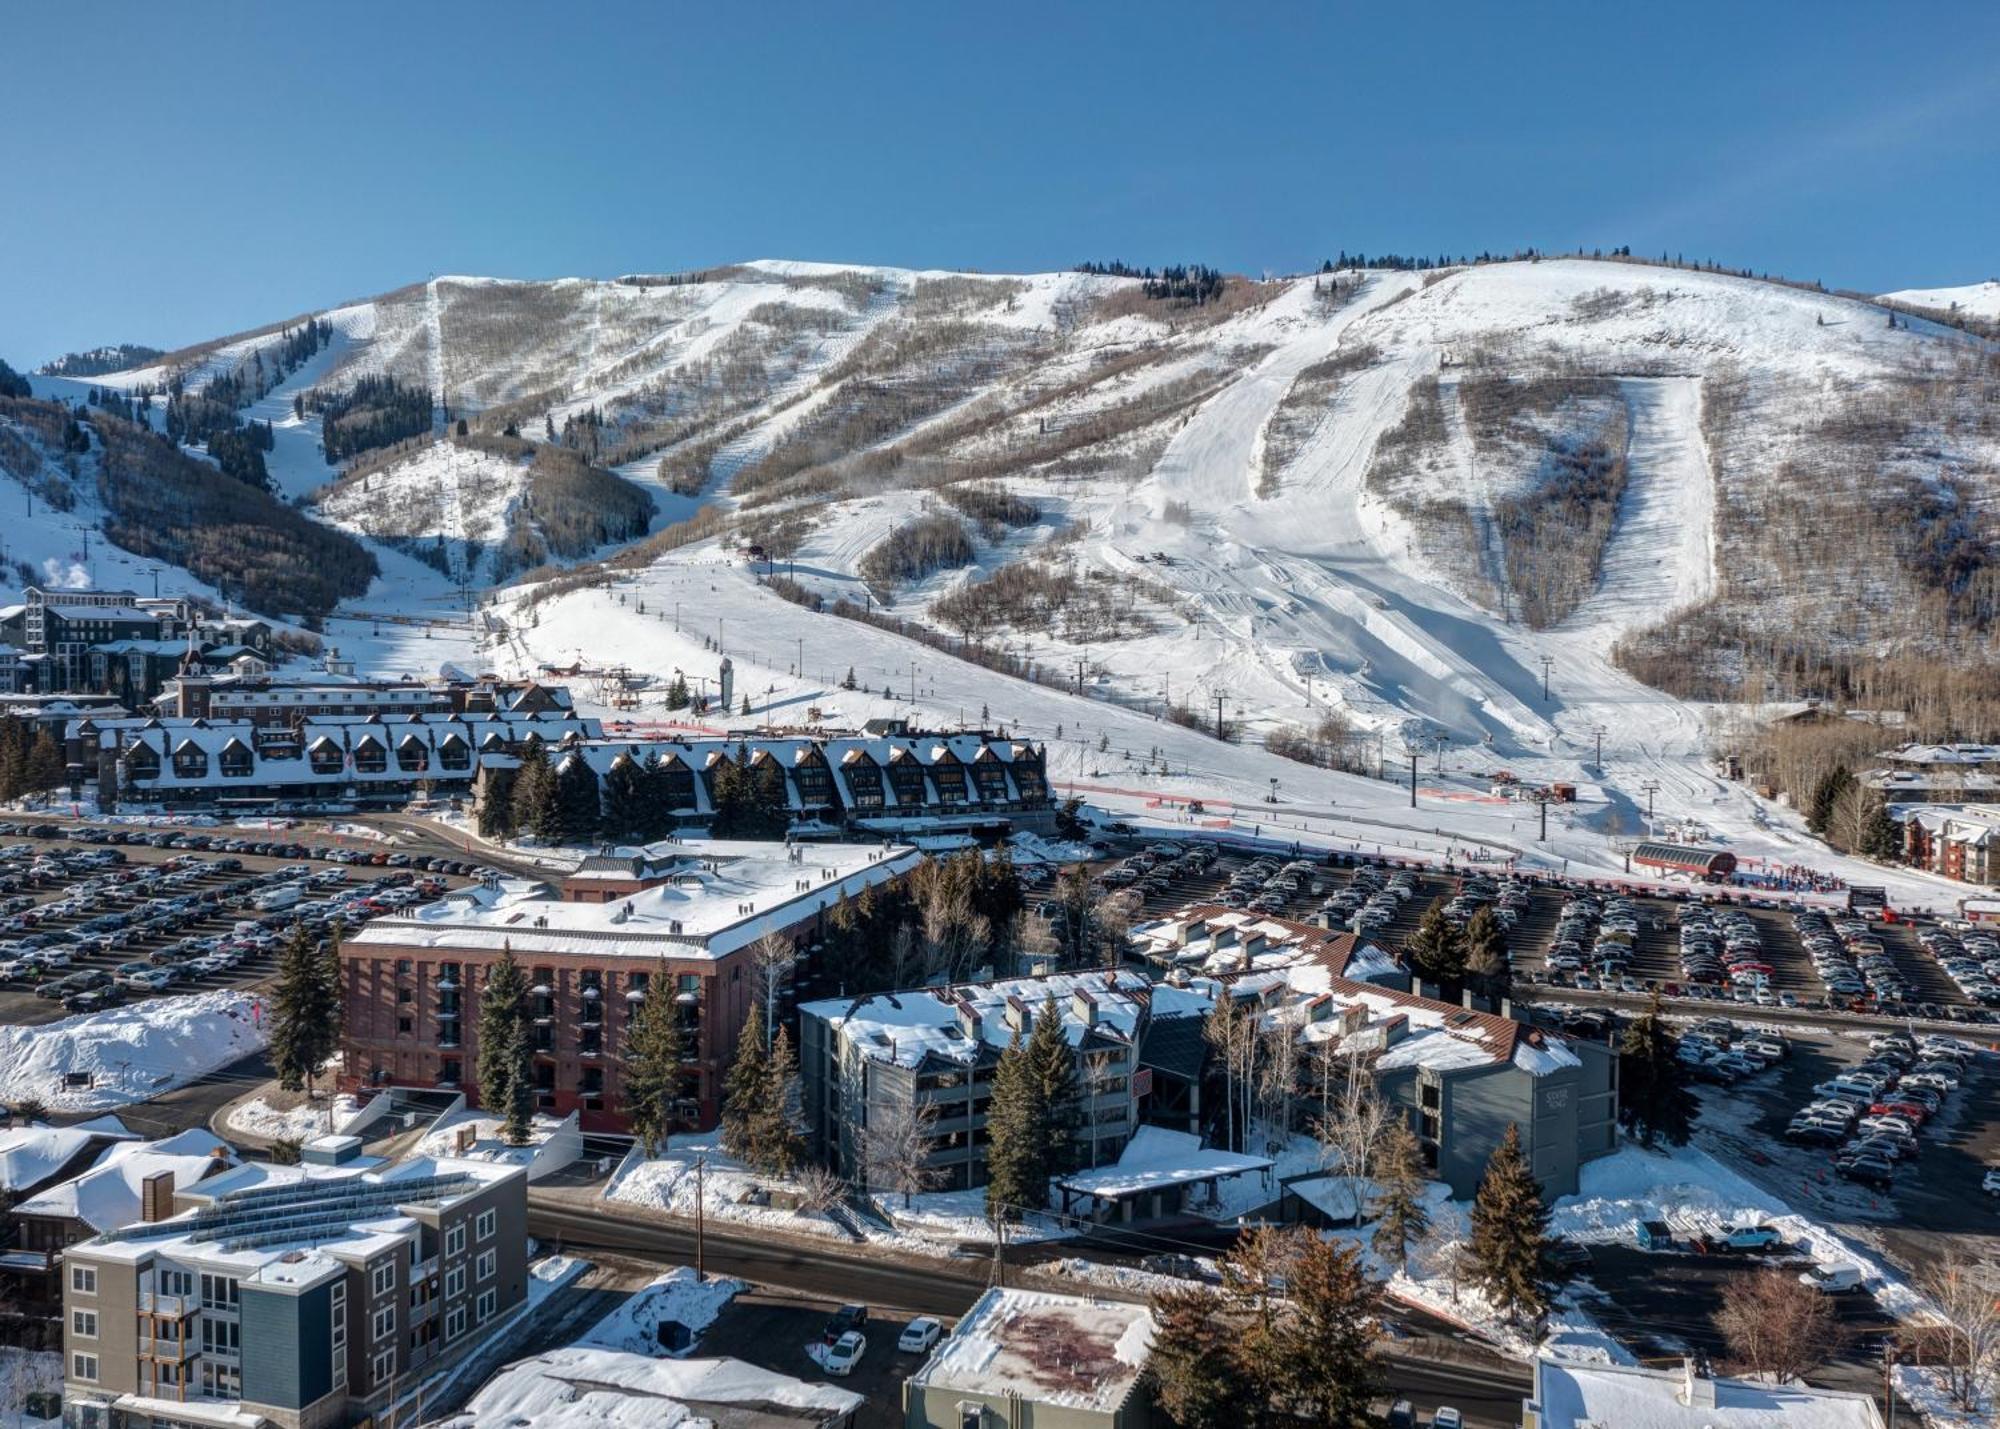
{"x":377,"y":411}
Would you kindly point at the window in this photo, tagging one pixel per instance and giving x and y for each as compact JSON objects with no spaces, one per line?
{"x":381,"y":1278}
{"x":485,"y":1264}
{"x":483,"y":1311}
{"x":454,"y":1238}
{"x":220,"y":1337}
{"x":83,"y":1279}
{"x":177,"y":1282}
{"x":384,"y":1323}
{"x":219,"y":1292}
{"x":489,"y":1220}
{"x":383,"y":1368}
{"x":405,"y":1025}
{"x":402,"y":967}
{"x":404,"y":994}
{"x":454,"y":1282}
{"x":83,"y":1324}
{"x":454,"y":1322}
{"x":83,"y":1367}
{"x":340,"y":1320}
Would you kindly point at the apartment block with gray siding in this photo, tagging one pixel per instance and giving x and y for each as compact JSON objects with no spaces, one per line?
{"x":290,"y":1297}
{"x":866,"y":1062}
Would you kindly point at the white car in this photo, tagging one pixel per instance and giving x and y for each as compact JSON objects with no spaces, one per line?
{"x":846,"y":1353}
{"x":919,"y":1335}
{"x":1447,"y":1418}
{"x":1991,"y":1184}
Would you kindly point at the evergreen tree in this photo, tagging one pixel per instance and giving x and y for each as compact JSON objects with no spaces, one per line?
{"x":744,"y":1089}
{"x":781,"y":1146}
{"x":656,"y":1057}
{"x":1486,"y":965}
{"x":46,"y":765}
{"x":1881,"y":836}
{"x":520,"y":1086}
{"x":331,"y":975}
{"x":577,"y":814}
{"x":534,"y":796}
{"x":302,"y":1014}
{"x":503,"y":1013}
{"x":1437,"y":950}
{"x":1052,"y":1074}
{"x":1654,"y":1102}
{"x":849,"y":682}
{"x":1192,"y":1364}
{"x":13,"y":757}
{"x":1826,"y":796}
{"x":496,"y":803}
{"x":624,"y":802}
{"x":1015,"y":1176}
{"x":677,"y":692}
{"x":1508,"y":1253}
{"x":1401,"y":1219}
{"x":656,"y":800}
{"x":1326,"y":1369}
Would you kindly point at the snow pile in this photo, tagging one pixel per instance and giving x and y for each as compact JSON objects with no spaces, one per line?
{"x":729,"y":1190}
{"x":677,"y":1298}
{"x":578,"y":1387}
{"x":22,"y":1373}
{"x":959,"y":1218}
{"x":258,"y":1118}
{"x":1697,"y":1195}
{"x":129,"y":1053}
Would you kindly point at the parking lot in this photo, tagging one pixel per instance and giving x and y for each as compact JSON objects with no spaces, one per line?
{"x":91,"y":915}
{"x":772,"y":1330}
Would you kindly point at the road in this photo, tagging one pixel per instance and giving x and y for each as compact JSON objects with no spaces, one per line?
{"x":1488,"y":1394}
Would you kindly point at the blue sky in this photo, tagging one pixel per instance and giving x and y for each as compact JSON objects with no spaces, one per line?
{"x":177,"y":173}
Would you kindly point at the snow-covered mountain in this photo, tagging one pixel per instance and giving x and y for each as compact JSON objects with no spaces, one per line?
{"x":1699,"y":465}
{"x":1407,"y":499}
{"x":1977,"y":300}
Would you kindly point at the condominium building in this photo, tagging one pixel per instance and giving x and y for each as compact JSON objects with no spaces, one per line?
{"x":271,"y":1297}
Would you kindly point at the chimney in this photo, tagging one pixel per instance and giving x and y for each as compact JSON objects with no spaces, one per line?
{"x":1019,"y":1019}
{"x":1507,"y":1008}
{"x":970,"y":1021}
{"x":1465,"y":999}
{"x":156,"y":1197}
{"x":1083,"y":1007}
{"x":1697,"y":1389}
{"x":1253,"y":944}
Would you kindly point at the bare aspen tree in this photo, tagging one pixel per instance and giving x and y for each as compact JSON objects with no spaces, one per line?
{"x":896,"y":1148}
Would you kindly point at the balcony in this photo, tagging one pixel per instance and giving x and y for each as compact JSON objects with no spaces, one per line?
{"x":421,"y":1314}
{"x":174,"y":1305}
{"x":159,"y":1349}
{"x":424,"y":1269}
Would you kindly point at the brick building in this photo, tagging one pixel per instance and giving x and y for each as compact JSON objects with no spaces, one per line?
{"x":591,"y":947}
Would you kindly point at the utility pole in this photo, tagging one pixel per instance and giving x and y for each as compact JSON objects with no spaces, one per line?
{"x":1218,"y":716}
{"x":718,"y":635}
{"x":1414,"y":755}
{"x":1439,"y":741}
{"x":1547,"y":661}
{"x":677,"y":617}
{"x":700,"y":1218}
{"x":802,"y":658}
{"x":999,"y":1276}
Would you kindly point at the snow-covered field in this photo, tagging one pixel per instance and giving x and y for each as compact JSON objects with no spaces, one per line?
{"x":670,"y":1182}
{"x":129,"y":1053}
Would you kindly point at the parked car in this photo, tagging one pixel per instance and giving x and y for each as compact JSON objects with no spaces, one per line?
{"x":1832,"y":1279}
{"x":846,"y":1319}
{"x":845,"y":1353}
{"x":919,"y":1335}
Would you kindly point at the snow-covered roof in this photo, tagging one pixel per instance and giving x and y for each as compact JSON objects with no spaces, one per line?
{"x":1048,"y":1349}
{"x":1156,"y":1158}
{"x":1575,"y":1395}
{"x":584,"y":1387}
{"x":1943,"y":754}
{"x":106,"y":1197}
{"x":284,"y":1191}
{"x":966,"y":1022}
{"x":722,"y":895}
{"x":29,"y":1155}
{"x":1213,"y":939}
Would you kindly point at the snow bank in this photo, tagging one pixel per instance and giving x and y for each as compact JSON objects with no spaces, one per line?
{"x":677,"y":1297}
{"x":258,"y":1118}
{"x":130,"y":1053}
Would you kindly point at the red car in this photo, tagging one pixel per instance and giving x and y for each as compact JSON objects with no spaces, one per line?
{"x":1913,"y":1110}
